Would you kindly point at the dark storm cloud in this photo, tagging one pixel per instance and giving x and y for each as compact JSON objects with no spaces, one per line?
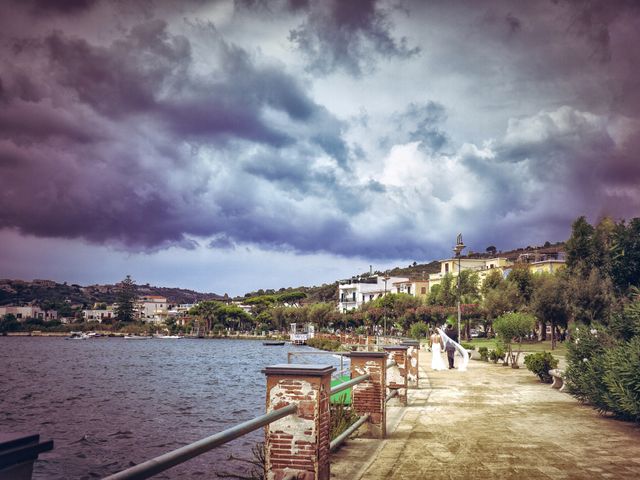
{"x":147,"y":135}
{"x":422,"y":122}
{"x":95,"y":142}
{"x":39,"y":7}
{"x":349,"y":36}
{"x":125,"y":77}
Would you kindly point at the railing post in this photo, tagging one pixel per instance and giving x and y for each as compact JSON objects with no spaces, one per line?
{"x":397,"y":375}
{"x":413,"y":354}
{"x":298,"y":444}
{"x":369,"y":396}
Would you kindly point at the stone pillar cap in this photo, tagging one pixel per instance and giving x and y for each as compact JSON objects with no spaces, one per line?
{"x":410,"y":343}
{"x":396,"y":347}
{"x":299,"y":369}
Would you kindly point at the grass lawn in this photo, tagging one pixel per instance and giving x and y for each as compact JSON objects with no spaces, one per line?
{"x":490,"y":343}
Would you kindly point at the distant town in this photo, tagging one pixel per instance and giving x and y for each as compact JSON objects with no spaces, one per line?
{"x":47,"y":304}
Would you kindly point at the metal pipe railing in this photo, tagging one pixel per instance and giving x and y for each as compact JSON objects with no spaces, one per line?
{"x":350,"y":383}
{"x":171,"y":459}
{"x":392,"y":394}
{"x":339,"y":440}
{"x":340,"y":354}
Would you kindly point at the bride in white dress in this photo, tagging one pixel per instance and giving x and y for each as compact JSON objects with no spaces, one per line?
{"x":436,"y":344}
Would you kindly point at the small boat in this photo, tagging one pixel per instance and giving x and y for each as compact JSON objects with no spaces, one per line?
{"x":78,"y":336}
{"x":138,"y":337}
{"x":273,"y":344}
{"x":168,"y":336}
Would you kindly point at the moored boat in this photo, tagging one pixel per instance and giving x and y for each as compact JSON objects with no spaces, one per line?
{"x":273,"y":344}
{"x":78,"y":336}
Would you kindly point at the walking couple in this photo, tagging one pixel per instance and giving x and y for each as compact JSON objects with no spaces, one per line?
{"x":438,"y":343}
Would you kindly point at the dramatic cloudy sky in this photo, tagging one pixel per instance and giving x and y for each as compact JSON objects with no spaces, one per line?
{"x":232,"y":145}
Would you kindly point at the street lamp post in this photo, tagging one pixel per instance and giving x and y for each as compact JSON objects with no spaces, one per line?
{"x":384,"y":319}
{"x":458,"y":250}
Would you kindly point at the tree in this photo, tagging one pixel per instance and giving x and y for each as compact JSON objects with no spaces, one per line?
{"x":491,"y":250}
{"x":522,"y":278}
{"x":291,"y":298}
{"x":514,"y":327}
{"x":233,"y":314}
{"x":498,"y":301}
{"x":590,"y":298}
{"x":625,"y":256}
{"x":9,"y":323}
{"x":548,"y":304}
{"x":579,"y":247}
{"x":206,"y":312}
{"x":321,"y":314}
{"x":602,"y":241}
{"x":125,"y":299}
{"x":446,"y":295}
{"x":491,"y":281}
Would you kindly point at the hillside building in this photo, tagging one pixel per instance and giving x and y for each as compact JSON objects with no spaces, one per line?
{"x":152,"y":308}
{"x":354,"y":292}
{"x":23,"y":313}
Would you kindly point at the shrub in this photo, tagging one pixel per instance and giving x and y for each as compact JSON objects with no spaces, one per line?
{"x":622,"y":378}
{"x":512,"y":327}
{"x":324,"y":344}
{"x":419,"y":330}
{"x":467,"y":346}
{"x":497,"y":354}
{"x":342,"y":417}
{"x":484,"y":353}
{"x":540,"y":363}
{"x":586,"y":367}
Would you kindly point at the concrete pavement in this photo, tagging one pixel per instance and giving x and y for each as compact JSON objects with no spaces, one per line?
{"x":492,"y":422}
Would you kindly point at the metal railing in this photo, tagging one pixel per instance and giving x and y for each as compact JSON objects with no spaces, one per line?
{"x":340,"y":439}
{"x":337,"y":373}
{"x":392,"y":394}
{"x":168,"y":460}
{"x":350,"y":383}
{"x":171,"y":459}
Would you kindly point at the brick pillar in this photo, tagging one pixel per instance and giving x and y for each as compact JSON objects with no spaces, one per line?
{"x":299,"y":443}
{"x":413,"y":355}
{"x":368,"y":396}
{"x":397,"y":375}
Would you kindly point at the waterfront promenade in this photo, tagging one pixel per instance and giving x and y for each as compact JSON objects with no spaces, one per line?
{"x":492,"y":422}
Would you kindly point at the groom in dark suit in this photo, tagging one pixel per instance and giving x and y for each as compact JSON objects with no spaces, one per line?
{"x":452,"y":333}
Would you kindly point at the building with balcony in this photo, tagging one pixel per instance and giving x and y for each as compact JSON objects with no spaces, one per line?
{"x":152,"y":308}
{"x":483,"y":266}
{"x":356,"y":291}
{"x":414,"y":287}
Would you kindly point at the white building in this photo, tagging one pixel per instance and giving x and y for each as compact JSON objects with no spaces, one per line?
{"x":98,"y":315}
{"x":22,"y":313}
{"x":354,"y":292}
{"x":152,"y":308}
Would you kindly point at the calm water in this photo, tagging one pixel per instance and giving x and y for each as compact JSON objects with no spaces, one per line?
{"x":107,"y":402}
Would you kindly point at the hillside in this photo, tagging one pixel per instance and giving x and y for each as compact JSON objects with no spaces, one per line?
{"x":48,"y":292}
{"x":329,"y":292}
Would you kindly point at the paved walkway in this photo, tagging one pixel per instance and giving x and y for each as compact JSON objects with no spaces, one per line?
{"x":492,"y":422}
